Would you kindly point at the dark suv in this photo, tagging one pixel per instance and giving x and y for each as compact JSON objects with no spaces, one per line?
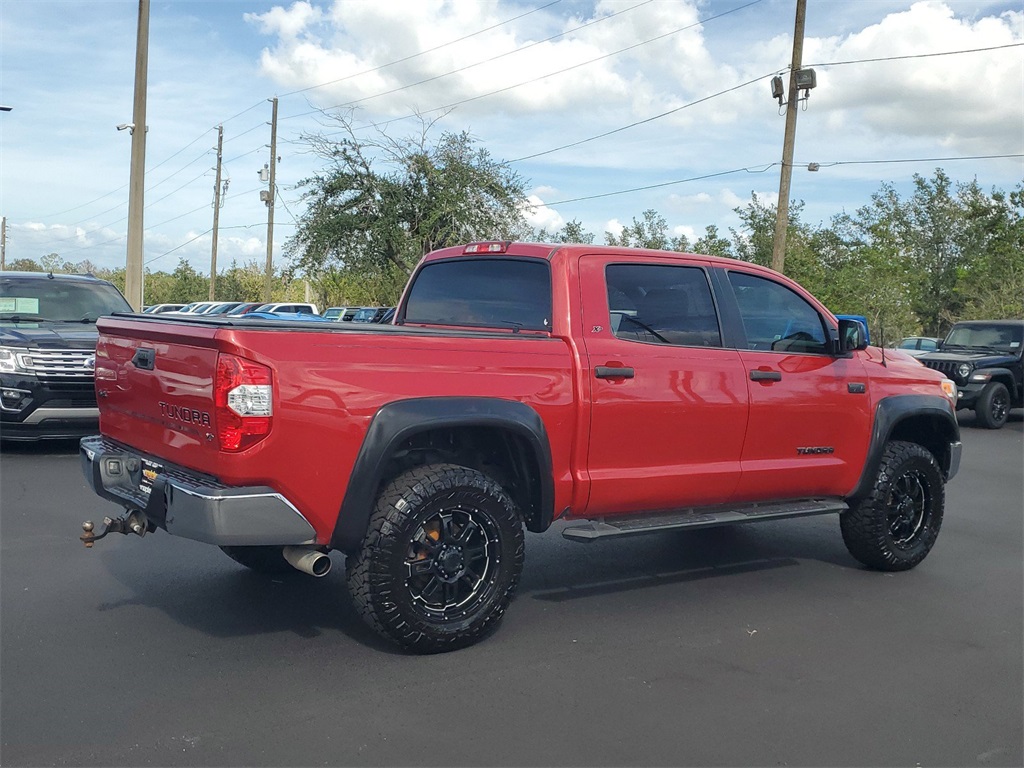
{"x":983,"y":357}
{"x":48,"y":353}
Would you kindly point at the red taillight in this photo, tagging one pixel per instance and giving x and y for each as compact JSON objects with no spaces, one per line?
{"x":493,"y":246}
{"x":242,"y":395}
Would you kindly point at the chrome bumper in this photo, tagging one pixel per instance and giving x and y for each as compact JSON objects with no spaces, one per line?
{"x":955,"y":449}
{"x":190,"y":505}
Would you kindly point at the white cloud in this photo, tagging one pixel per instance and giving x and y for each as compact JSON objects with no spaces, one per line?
{"x":539,"y":216}
{"x":614,"y":226}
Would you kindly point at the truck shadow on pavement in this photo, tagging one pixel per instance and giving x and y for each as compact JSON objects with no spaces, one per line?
{"x":200,"y":588}
{"x":612,"y":567}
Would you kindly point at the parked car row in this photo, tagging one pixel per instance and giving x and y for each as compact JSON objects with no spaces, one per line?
{"x":359,"y":314}
{"x":235,"y":308}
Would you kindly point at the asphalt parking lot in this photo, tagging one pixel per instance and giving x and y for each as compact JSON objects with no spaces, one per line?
{"x":760,"y":645}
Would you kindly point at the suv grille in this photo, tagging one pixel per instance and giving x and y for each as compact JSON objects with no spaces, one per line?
{"x":947,"y":367}
{"x":59,"y":363}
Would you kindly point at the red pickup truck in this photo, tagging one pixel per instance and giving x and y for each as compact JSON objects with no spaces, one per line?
{"x":630,"y":391}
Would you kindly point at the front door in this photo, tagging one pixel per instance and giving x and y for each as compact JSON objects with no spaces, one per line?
{"x":810,"y":416}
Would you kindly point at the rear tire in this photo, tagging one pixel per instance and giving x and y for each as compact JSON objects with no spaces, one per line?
{"x":440,"y":561}
{"x":895,"y":526}
{"x":993,"y":408}
{"x":262,"y":559}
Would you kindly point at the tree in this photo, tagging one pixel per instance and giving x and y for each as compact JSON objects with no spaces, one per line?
{"x":571,"y":232}
{"x":711,"y":244}
{"x":651,"y":232}
{"x":189,"y":285}
{"x":24,"y":265}
{"x":384,"y":202}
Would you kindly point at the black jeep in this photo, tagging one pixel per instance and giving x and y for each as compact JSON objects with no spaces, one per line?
{"x":48,"y":353}
{"x":983,"y":357}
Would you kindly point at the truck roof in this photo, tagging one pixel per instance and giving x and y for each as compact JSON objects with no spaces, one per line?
{"x":514,"y":249}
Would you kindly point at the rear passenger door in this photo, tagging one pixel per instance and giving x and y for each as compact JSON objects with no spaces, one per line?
{"x":668,"y":402}
{"x":810,"y":416}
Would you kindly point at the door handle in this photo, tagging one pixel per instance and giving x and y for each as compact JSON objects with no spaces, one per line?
{"x":613,"y":372}
{"x":765,"y":376}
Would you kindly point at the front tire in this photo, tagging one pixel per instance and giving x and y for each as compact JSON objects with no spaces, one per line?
{"x":993,"y":407}
{"x":440,"y":561}
{"x":895,"y":526}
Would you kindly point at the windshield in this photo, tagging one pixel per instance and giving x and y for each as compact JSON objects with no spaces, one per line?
{"x":1003,"y":337}
{"x":54,"y":300}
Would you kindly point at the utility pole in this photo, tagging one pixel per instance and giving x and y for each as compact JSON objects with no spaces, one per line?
{"x":136,"y":185}
{"x":782,"y":210}
{"x":216,"y":211}
{"x":3,"y":243}
{"x":270,"y":204}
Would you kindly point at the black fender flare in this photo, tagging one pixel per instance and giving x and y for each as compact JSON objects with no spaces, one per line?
{"x":890,"y":413}
{"x":1005,"y":376}
{"x":396,"y":422}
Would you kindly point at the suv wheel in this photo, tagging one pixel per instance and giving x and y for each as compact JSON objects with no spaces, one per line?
{"x":993,"y":406}
{"x":895,"y":526}
{"x":440,"y":561}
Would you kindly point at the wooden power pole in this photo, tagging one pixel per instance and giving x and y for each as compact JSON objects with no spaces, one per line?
{"x":216,"y":211}
{"x":3,"y":243}
{"x":271,"y":194}
{"x":782,"y":210}
{"x":137,"y":182}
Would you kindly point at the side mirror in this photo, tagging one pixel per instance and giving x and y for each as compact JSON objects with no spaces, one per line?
{"x":852,"y":336}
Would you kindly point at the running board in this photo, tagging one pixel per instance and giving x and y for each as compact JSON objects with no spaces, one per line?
{"x":635,"y":525}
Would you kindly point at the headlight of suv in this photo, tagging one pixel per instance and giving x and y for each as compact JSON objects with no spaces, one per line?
{"x":964,"y":370}
{"x":10,"y":361}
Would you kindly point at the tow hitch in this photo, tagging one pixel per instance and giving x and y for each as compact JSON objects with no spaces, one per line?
{"x":134,"y":522}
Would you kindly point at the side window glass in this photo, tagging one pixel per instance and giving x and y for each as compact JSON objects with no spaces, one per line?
{"x":775,"y":318}
{"x":662,"y":305}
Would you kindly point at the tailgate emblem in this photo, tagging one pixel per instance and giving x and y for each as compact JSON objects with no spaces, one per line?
{"x":185,"y":415}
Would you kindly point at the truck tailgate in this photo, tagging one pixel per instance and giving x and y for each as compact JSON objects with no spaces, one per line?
{"x":154,"y":385}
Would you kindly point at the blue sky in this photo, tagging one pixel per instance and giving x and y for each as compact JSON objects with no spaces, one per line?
{"x":528,"y":79}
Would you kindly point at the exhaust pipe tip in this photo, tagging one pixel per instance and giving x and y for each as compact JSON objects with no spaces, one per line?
{"x":308,"y":560}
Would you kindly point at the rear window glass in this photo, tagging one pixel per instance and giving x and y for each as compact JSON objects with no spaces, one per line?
{"x":486,"y":293}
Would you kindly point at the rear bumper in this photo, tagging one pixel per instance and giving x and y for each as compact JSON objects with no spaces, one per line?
{"x":191,"y":505}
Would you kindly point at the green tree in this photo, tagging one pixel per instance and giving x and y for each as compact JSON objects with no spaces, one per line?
{"x":24,"y":265}
{"x":383,"y":202}
{"x":571,"y":232}
{"x":189,"y":285}
{"x":650,"y":232}
{"x":711,"y":244}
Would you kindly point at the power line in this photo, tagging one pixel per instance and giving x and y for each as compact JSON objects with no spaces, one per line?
{"x":645,"y":120}
{"x":423,"y":53}
{"x":762,"y":169}
{"x":477,"y":64}
{"x":916,"y":56}
{"x":451,"y":105}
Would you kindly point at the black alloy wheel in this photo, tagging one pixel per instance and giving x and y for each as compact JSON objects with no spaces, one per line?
{"x":907,"y":509}
{"x":450,"y":561}
{"x":895,"y":526}
{"x":440,"y":561}
{"x":993,"y":406}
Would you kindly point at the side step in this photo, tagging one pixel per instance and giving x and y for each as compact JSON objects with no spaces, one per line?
{"x":635,"y":525}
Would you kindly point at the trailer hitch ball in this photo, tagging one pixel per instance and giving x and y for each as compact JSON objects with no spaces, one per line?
{"x":135,"y":522}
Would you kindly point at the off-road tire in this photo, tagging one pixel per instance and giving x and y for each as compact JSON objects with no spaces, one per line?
{"x":895,"y":526}
{"x":440,"y":561}
{"x":262,"y":559}
{"x":993,"y":407}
